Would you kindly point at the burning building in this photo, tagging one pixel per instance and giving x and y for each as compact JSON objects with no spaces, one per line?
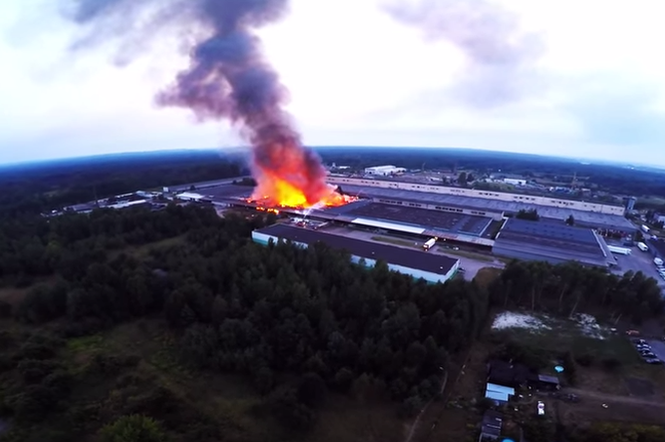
{"x":228,"y":78}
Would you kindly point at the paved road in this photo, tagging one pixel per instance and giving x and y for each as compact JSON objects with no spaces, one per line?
{"x":638,"y":261}
{"x":658,"y":348}
{"x":612,"y":398}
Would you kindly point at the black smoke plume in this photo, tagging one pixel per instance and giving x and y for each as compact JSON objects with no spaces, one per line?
{"x":228,"y":77}
{"x":500,"y":58}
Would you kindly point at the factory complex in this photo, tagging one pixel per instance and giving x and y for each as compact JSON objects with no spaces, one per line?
{"x":588,"y":214}
{"x":416,"y":228}
{"x":478,"y":221}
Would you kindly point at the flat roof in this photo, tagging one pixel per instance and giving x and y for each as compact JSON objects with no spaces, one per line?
{"x":427,"y":218}
{"x":548,"y":379}
{"x":495,"y":395}
{"x":411,"y":258}
{"x":582,"y":217}
{"x":547,"y":229}
{"x":548,"y":240}
{"x":500,"y":389}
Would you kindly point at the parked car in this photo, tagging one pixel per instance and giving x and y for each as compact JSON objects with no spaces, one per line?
{"x":632,"y":333}
{"x":653,"y":361}
{"x":647,"y":355}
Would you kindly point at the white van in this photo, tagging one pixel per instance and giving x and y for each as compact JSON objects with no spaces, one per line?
{"x":643,"y":247}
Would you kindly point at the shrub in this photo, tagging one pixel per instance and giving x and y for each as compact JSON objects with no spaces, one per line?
{"x":134,"y":428}
{"x":611,"y":364}
{"x":585,"y":360}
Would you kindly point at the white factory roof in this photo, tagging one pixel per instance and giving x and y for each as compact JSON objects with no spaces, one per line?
{"x":388,"y":167}
{"x":190,"y":195}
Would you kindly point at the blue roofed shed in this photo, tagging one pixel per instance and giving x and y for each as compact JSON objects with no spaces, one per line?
{"x":499,"y":393}
{"x":500,"y":389}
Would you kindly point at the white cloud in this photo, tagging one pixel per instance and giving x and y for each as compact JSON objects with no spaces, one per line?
{"x":357,"y":77}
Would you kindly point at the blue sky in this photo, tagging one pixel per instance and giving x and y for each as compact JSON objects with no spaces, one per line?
{"x":582,"y":79}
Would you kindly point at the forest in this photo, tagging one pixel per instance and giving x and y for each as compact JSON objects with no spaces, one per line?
{"x":297,"y":323}
{"x":566,"y":289}
{"x":28,"y":189}
{"x":298,"y":327}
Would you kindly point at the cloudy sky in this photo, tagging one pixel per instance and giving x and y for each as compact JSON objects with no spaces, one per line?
{"x":557,"y":77}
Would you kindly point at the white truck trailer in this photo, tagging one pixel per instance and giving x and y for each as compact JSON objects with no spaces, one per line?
{"x":619,"y":250}
{"x":429,"y":244}
{"x":643,"y":247}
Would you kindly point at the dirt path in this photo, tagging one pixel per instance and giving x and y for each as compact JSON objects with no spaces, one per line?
{"x":614,"y":398}
{"x":412,"y":430}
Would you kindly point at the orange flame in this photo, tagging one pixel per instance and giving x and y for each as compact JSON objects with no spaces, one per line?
{"x":280,"y":193}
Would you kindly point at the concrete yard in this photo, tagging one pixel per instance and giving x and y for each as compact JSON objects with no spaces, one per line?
{"x":657,"y":348}
{"x":470,"y":265}
{"x":638,"y":261}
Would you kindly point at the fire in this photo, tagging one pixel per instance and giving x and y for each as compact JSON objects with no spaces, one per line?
{"x":280,"y":193}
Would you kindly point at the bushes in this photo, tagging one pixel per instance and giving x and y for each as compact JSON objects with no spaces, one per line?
{"x":134,"y":428}
{"x":585,"y":360}
{"x":570,"y":368}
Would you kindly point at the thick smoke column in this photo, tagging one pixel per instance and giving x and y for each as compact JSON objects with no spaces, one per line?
{"x":500,"y":57}
{"x":228,"y":79}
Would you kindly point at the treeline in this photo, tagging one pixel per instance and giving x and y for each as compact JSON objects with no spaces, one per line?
{"x":66,"y":245}
{"x":616,"y":432}
{"x":297,"y":322}
{"x":610,"y":178}
{"x":34,"y":188}
{"x":570,"y":288}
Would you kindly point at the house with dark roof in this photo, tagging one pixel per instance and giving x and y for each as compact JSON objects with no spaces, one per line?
{"x":512,"y":375}
{"x":491,"y":426}
{"x":544,"y":382}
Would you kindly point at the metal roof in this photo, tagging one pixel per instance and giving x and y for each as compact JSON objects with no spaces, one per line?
{"x":500,"y":389}
{"x":409,"y":258}
{"x":390,"y":226}
{"x":495,"y":395}
{"x":548,"y":379}
{"x":581,"y":217}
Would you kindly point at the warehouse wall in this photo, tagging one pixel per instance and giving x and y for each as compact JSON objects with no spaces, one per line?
{"x":264,"y":239}
{"x":510,"y":197}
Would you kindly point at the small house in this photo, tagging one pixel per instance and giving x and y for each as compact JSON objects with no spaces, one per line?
{"x":491,"y":425}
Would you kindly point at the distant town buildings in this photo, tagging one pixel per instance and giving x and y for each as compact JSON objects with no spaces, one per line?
{"x":630,"y":204}
{"x":384,"y":170}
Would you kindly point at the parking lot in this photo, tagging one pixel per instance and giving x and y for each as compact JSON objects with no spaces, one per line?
{"x":638,"y":261}
{"x":657,"y":348}
{"x":471,"y":262}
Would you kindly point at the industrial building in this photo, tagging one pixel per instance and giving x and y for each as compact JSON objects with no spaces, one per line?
{"x":552,"y":242}
{"x":431,"y":267}
{"x":384,"y":170}
{"x":588,"y":214}
{"x":412,"y":219}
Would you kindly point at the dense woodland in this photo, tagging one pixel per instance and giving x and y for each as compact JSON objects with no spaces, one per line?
{"x":33,"y":188}
{"x":297,"y":325}
{"x":265,"y":312}
{"x":568,"y":288}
